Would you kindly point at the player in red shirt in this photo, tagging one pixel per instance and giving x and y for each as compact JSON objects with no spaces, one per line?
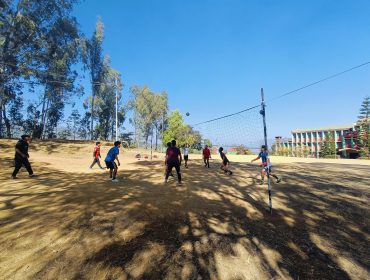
{"x":96,"y":156}
{"x":206,"y":156}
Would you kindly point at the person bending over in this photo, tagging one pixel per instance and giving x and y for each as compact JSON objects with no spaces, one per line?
{"x":110,"y":159}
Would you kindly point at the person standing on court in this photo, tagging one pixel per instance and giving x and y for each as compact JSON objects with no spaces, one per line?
{"x":173,"y":159}
{"x":206,"y":156}
{"x":21,"y":156}
{"x":186,"y":154}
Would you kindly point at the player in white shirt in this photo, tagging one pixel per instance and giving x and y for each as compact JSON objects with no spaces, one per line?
{"x":186,"y":154}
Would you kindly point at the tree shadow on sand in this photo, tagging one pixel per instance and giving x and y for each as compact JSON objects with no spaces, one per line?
{"x":215,"y":226}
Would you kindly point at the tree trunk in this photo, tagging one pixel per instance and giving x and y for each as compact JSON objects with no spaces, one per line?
{"x":43,"y":115}
{"x":1,"y":108}
{"x":92,"y":115}
{"x":46,"y":119}
{"x":156,"y":137}
{"x":5,"y":49}
{"x":7,"y":124}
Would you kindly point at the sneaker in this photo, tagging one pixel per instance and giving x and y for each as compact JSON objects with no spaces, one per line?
{"x":102,"y":168}
{"x":179,"y":183}
{"x":13,"y":177}
{"x":115,"y":180}
{"x":31,"y":175}
{"x":262,"y":182}
{"x":278,"y":180}
{"x":230,"y":173}
{"x":165,"y":181}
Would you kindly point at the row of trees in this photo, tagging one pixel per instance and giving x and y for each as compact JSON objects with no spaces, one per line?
{"x":153,"y":121}
{"x":41,"y":51}
{"x":44,"y":53}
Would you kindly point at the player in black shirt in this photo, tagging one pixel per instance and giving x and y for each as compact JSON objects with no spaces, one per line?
{"x":165,"y":161}
{"x":173,"y":159}
{"x":225,"y":162}
{"x":21,"y":156}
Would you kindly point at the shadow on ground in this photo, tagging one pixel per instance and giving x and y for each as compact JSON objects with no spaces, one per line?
{"x":215,"y":226}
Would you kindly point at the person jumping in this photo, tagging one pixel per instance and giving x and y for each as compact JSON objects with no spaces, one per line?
{"x":96,"y":156}
{"x":173,"y":159}
{"x":110,"y":161}
{"x":206,"y":156}
{"x":225,"y":162}
{"x":266,"y":165}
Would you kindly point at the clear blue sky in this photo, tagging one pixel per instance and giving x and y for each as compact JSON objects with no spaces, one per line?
{"x":212,"y":56}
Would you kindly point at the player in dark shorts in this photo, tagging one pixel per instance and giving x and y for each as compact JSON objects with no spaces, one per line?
{"x":173,"y":159}
{"x":110,"y":161}
{"x":266,"y":165}
{"x":225,"y":162}
{"x":21,"y":156}
{"x":165,"y":161}
{"x":96,"y":156}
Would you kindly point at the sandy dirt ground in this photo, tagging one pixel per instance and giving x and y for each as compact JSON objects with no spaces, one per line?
{"x":70,"y":222}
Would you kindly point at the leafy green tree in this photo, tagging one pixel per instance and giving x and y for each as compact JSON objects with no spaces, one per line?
{"x":93,"y":59}
{"x":363,"y":128}
{"x":179,"y":131}
{"x":208,"y":143}
{"x":175,"y":123}
{"x":73,"y":123}
{"x":24,"y":38}
{"x":59,"y":54}
{"x":145,"y":111}
{"x":328,"y":146}
{"x":84,"y":126}
{"x":160,"y":110}
{"x":105,"y":102}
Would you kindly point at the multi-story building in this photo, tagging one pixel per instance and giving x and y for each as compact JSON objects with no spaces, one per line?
{"x":311,"y":139}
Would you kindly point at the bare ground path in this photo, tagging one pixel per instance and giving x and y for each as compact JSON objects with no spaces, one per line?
{"x":71,"y":223}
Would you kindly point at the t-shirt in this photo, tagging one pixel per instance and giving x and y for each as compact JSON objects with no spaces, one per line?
{"x":173,"y":155}
{"x":206,"y":153}
{"x":223,"y":157}
{"x":97,"y":151}
{"x":186,"y":151}
{"x":264,"y":156}
{"x":22,"y":146}
{"x":111,"y":156}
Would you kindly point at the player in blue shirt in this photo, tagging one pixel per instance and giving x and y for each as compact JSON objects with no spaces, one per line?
{"x":110,"y":161}
{"x":266,"y":165}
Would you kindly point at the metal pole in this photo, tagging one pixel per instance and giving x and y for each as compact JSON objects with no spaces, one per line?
{"x":116,"y":86}
{"x":263,"y":113}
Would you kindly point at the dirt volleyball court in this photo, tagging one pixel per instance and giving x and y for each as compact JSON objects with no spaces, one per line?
{"x":72,"y":223}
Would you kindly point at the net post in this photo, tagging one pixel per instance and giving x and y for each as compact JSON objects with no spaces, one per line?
{"x":263,"y":113}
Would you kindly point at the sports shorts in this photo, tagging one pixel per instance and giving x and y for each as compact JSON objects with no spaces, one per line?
{"x":111,"y":165}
